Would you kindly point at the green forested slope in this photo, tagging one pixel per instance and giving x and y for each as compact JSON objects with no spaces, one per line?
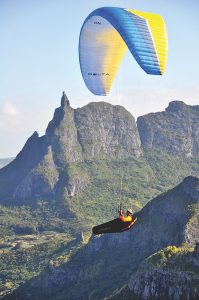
{"x":132,"y":181}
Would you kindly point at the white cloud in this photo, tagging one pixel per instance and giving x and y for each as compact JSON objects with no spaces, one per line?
{"x":9,"y":109}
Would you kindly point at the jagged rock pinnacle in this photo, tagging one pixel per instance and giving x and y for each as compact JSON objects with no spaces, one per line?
{"x":64,"y":100}
{"x":35,"y":134}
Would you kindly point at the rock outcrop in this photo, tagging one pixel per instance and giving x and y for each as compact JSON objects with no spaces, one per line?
{"x":175,"y":130}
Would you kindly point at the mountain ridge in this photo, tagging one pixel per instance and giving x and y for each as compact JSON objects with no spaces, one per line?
{"x":98,"y":130}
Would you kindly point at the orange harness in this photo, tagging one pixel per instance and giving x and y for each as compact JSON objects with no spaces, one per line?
{"x":130,"y":225}
{"x":126,"y":219}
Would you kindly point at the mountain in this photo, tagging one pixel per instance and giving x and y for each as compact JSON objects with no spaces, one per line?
{"x":168,"y":222}
{"x":96,"y":131}
{"x":72,"y":178}
{"x":175,"y":130}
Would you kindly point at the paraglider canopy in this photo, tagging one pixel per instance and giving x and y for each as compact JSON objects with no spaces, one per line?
{"x":106,"y":35}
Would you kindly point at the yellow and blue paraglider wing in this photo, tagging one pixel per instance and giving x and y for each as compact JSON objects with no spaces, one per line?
{"x":105,"y":36}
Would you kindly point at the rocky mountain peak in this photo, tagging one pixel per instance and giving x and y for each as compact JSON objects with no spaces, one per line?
{"x":60,"y":114}
{"x":32,"y":145}
{"x":176,"y":106}
{"x":35,"y":135}
{"x":31,"y":140}
{"x":61,"y":134}
{"x":64,"y":100}
{"x":175,"y":130}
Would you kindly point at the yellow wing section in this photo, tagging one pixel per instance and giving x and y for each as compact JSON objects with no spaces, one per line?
{"x":159,"y":35}
{"x":115,"y":50}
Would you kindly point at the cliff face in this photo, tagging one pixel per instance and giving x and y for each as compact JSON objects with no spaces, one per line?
{"x":105,"y":130}
{"x":164,"y":285}
{"x":41,"y":169}
{"x":175,"y":130}
{"x":172,"y":273}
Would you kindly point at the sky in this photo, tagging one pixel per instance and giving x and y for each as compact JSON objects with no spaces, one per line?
{"x":39,"y":60}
